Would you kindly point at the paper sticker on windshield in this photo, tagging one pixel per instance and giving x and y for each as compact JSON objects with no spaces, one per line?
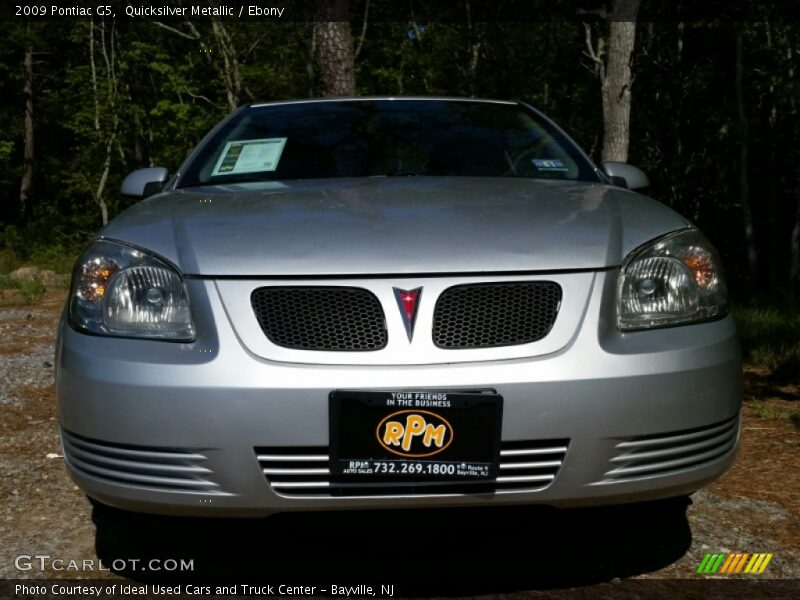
{"x":549,"y":164}
{"x":250,"y":156}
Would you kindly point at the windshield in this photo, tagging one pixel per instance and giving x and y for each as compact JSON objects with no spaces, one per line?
{"x":375,"y":138}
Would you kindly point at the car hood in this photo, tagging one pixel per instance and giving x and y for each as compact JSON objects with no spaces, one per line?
{"x":406,"y":225}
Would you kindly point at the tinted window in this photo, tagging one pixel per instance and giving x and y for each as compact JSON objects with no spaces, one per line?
{"x":368,"y":138}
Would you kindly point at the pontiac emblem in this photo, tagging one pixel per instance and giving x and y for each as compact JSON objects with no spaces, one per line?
{"x":408,"y":301}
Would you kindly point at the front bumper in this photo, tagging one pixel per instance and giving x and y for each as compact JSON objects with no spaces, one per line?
{"x":174,"y":428}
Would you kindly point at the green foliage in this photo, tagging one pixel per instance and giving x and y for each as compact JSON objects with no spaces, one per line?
{"x":687,"y":134}
{"x":8,"y":261}
{"x":20,"y":293}
{"x":31,"y":291}
{"x":158,"y":92}
{"x":6,"y":149}
{"x":769,"y":410}
{"x":771,"y":339}
{"x":56,"y":257}
{"x":33,"y":246}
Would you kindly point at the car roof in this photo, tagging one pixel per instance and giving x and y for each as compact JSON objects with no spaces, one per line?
{"x":392,"y":98}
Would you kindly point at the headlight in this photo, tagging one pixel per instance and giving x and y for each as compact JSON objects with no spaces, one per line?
{"x":674,"y":280}
{"x":120,"y":290}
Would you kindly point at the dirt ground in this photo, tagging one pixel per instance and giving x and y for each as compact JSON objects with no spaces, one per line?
{"x":528,"y":551}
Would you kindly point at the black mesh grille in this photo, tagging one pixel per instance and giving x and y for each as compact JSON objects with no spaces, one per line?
{"x":320,"y":318}
{"x":495,"y":314}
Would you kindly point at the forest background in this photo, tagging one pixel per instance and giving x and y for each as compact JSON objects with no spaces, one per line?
{"x":706,"y":103}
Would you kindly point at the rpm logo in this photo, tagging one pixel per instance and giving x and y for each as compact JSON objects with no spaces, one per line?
{"x":414,"y":433}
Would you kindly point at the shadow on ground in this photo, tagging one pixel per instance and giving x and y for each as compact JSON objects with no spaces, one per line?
{"x":760,"y":383}
{"x":422,"y":552}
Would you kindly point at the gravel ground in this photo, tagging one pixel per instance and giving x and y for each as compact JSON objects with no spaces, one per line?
{"x":530,"y":551}
{"x":26,"y":351}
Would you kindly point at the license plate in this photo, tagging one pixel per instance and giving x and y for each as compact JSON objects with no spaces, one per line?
{"x":419,"y":436}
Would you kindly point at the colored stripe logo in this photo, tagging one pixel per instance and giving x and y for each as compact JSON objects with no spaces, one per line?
{"x":735,"y":562}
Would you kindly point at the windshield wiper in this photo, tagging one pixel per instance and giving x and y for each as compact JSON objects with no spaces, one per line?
{"x":399,"y":174}
{"x":226,"y":182}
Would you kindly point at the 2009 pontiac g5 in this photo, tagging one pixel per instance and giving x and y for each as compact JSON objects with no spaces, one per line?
{"x":394,"y":302}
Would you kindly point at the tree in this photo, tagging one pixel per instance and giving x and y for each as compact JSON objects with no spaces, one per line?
{"x":105,"y":136}
{"x":221,"y":53}
{"x":791,"y":86}
{"x":744,"y":185}
{"x":612,"y":59}
{"x":26,"y":184}
{"x":333,"y":48}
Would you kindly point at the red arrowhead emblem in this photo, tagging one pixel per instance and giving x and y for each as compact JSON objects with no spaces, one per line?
{"x":408,"y":302}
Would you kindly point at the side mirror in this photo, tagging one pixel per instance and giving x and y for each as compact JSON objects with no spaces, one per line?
{"x":625,"y":175}
{"x":144,"y":182}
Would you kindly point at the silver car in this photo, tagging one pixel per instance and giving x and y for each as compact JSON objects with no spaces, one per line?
{"x":394,"y":302}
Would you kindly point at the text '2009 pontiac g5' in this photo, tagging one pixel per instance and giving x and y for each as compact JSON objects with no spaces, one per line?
{"x":394,"y":302}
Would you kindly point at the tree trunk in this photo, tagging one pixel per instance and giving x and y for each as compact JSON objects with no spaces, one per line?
{"x":26,"y":186}
{"x":104,"y":136}
{"x":616,"y":87}
{"x":676,"y":187}
{"x":794,"y":265}
{"x":334,"y":49}
{"x":231,"y":73}
{"x":794,"y":261}
{"x":612,"y":58}
{"x":771,"y":107}
{"x":474,"y":51}
{"x":310,"y":57}
{"x":99,"y":194}
{"x":744,"y":185}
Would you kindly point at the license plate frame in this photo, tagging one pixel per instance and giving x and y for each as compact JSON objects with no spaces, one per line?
{"x":365,"y":445}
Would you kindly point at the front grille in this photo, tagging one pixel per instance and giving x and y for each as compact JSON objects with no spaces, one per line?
{"x":667,"y":453}
{"x":489,"y":315}
{"x":321,"y":318}
{"x":527,"y":466}
{"x":163,"y":468}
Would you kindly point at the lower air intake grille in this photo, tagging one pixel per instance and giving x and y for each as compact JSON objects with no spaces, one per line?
{"x":666,"y":453}
{"x":304,"y":472}
{"x":166,"y":469}
{"x":320,"y":318}
{"x":488,"y":315}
